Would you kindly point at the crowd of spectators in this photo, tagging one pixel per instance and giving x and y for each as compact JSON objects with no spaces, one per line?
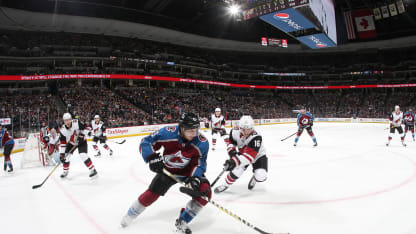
{"x":86,"y":102}
{"x":140,"y":105}
{"x":27,"y":111}
{"x":85,"y":53}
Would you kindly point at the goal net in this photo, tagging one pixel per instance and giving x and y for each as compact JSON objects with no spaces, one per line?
{"x":33,"y":156}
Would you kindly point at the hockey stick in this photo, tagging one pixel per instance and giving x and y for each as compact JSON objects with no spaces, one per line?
{"x":288,"y":136}
{"x":222,"y":208}
{"x":121,"y":142}
{"x":50,"y":173}
{"x":218,"y":177}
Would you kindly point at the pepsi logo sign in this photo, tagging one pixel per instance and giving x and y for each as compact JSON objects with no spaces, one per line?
{"x":281,"y":16}
{"x":318,"y":42}
{"x":284,"y":17}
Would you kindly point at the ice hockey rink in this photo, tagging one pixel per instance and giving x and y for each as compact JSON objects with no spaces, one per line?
{"x":350,"y":184}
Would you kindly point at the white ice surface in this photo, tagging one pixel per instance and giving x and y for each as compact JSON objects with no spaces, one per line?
{"x":351,"y":183}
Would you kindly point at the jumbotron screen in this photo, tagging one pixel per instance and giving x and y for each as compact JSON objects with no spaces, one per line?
{"x":324,"y":11}
{"x":258,"y":8}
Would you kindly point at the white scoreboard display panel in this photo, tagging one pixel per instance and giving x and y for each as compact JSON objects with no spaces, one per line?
{"x":324,"y":11}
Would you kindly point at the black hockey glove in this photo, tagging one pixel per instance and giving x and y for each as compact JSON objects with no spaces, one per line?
{"x":193,"y":187}
{"x":81,"y":138}
{"x":231,"y":163}
{"x":62,"y":157}
{"x":232,"y":153}
{"x":89,"y":134}
{"x":156,"y":163}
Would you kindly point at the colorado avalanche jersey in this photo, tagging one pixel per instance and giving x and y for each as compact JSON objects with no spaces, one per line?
{"x":70,"y":135}
{"x":251,"y":147}
{"x":305,"y":120}
{"x":180,"y":158}
{"x":98,"y":129}
{"x":5,"y":138}
{"x":217,"y":122}
{"x":409,"y":118}
{"x":396,"y":119}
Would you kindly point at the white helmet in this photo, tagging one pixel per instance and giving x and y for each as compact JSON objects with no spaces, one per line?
{"x":67,"y":116}
{"x":246,"y":122}
{"x":397,"y":107}
{"x":217,"y":109}
{"x":96,"y":117}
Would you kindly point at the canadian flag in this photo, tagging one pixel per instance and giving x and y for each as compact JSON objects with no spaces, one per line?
{"x":365,"y":23}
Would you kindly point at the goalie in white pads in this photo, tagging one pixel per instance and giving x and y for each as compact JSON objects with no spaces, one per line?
{"x":53,"y":146}
{"x":396,"y":120}
{"x":72,"y":136}
{"x":99,"y":134}
{"x":251,"y":150}
{"x":217,"y":126}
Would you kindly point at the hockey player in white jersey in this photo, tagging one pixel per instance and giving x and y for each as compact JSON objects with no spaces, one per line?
{"x":53,"y":146}
{"x":73,"y":136}
{"x":396,"y":120}
{"x":251,"y":150}
{"x":99,"y":134}
{"x":217,"y":126}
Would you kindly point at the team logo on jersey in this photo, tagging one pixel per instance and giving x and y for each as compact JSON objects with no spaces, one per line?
{"x":202,"y":138}
{"x":176,"y":160}
{"x":305,"y":121}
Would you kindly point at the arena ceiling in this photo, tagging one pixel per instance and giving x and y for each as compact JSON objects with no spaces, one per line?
{"x":204,"y":17}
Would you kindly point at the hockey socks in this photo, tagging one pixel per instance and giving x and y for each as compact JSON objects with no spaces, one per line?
{"x":135,"y":210}
{"x":191,"y":210}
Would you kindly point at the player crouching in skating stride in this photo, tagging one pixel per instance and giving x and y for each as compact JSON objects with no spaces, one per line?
{"x":53,"y":146}
{"x":185,"y":154}
{"x":305,"y":121}
{"x":251,"y":150}
{"x":6,"y":142}
{"x":99,"y":133}
{"x":395,"y":120}
{"x":409,"y":123}
{"x":217,"y":126}
{"x":72,"y":136}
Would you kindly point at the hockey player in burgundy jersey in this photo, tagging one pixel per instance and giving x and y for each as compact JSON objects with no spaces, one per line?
{"x":72,"y":136}
{"x":409,"y":123}
{"x":251,"y":150}
{"x":305,"y":121}
{"x":184,"y":155}
{"x":396,"y":120}
{"x":6,"y":142}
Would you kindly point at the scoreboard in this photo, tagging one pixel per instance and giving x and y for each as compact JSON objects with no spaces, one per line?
{"x":258,"y":8}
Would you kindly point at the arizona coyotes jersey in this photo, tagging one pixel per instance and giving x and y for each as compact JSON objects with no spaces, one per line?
{"x":217,"y":122}
{"x":396,"y":119}
{"x":409,"y":118}
{"x":97,"y":129}
{"x":53,"y":139}
{"x":70,"y":135}
{"x":251,"y":147}
{"x":44,"y":132}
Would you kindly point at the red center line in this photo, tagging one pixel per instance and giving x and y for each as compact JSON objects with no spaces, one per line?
{"x":82,"y":210}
